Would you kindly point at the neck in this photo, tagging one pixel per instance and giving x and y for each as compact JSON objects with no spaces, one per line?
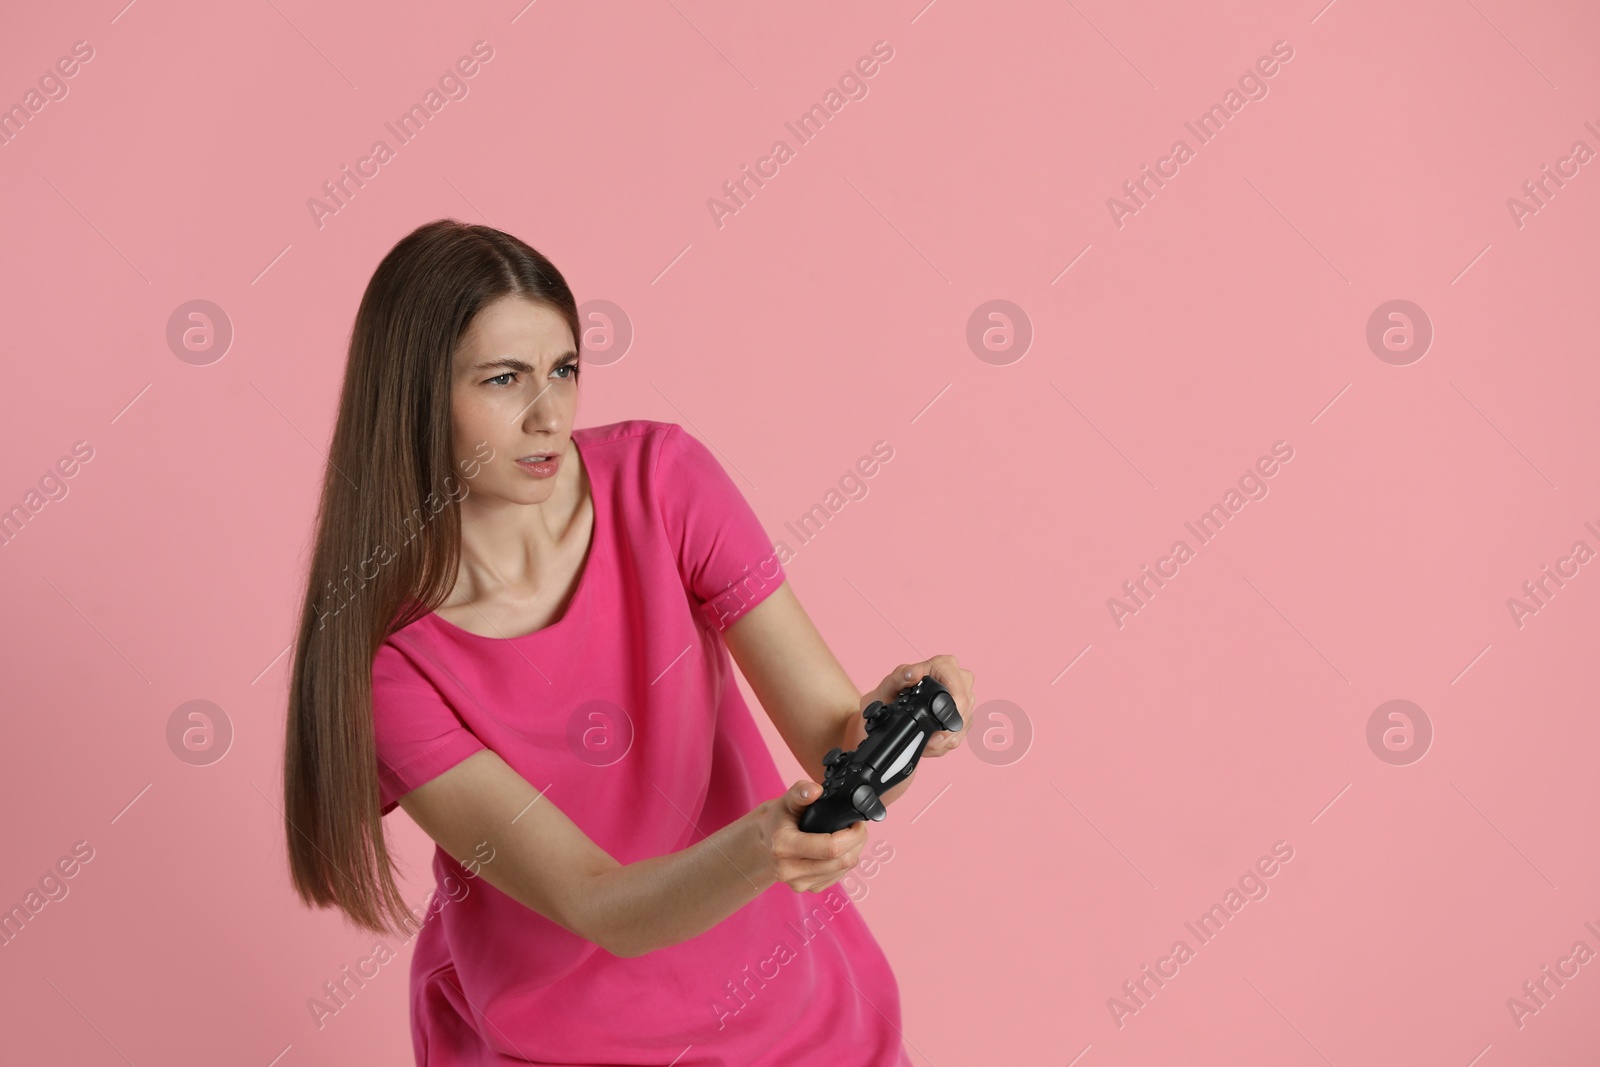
{"x":506,"y":544}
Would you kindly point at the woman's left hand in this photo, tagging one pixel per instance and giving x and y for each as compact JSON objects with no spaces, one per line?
{"x":948,"y":673}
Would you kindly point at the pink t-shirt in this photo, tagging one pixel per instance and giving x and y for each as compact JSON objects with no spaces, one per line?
{"x":624,"y":713}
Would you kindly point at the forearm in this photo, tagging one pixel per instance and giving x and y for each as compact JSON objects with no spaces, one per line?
{"x":640,"y":907}
{"x":796,"y":677}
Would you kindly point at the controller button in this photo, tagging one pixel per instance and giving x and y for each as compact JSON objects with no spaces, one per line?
{"x":867,"y":803}
{"x":944,"y":709}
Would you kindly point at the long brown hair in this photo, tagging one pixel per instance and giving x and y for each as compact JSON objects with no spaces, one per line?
{"x":388,"y":543}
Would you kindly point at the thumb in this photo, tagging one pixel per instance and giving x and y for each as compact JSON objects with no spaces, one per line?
{"x":800,"y":796}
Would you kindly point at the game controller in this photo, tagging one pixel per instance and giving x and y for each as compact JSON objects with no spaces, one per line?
{"x":896,"y":735}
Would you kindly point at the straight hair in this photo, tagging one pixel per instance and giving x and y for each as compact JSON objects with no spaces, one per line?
{"x":387,"y":544}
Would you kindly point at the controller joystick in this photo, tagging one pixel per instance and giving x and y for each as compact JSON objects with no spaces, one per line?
{"x":897,"y":733}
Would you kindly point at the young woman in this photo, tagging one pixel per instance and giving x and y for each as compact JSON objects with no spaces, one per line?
{"x":519,"y":631}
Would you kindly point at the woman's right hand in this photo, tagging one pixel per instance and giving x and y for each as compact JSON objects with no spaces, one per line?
{"x":805,"y":862}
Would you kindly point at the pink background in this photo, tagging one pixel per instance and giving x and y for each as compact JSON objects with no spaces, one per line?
{"x":831,"y":312}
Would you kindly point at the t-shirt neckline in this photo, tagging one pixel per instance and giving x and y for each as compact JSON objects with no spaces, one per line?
{"x":580,"y":594}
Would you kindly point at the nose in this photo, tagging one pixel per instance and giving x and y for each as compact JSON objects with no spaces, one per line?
{"x":542,"y":413}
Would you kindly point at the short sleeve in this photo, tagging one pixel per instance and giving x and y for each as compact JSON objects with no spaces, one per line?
{"x":417,"y":735}
{"x":725,"y":558}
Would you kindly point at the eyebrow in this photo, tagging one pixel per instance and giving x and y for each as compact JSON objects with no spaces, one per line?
{"x":511,"y":363}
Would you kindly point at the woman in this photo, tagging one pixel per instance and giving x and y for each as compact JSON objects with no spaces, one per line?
{"x":519,"y":631}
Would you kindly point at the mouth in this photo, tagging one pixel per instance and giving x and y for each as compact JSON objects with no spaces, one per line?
{"x":540,"y":464}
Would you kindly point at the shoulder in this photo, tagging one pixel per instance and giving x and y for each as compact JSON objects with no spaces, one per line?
{"x":396,"y":663}
{"x":624,"y":435}
{"x":638,"y":446}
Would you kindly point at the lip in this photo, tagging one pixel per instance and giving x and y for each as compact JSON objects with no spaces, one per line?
{"x":543,"y":468}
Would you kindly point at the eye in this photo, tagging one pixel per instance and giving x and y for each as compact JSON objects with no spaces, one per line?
{"x":572,"y":366}
{"x":497,"y":377}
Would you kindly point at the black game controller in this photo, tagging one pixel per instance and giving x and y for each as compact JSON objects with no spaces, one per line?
{"x":896,"y":735}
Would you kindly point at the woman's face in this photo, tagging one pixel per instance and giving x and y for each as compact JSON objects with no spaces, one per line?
{"x":514,"y":395}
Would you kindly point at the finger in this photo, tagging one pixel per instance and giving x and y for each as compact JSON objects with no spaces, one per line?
{"x":902,"y":676}
{"x":825,"y":847}
{"x":958,"y":680}
{"x":951,"y":674}
{"x":800,"y":845}
{"x":800,"y":796}
{"x":823,"y":870}
{"x":947,"y":672}
{"x":891,"y":685}
{"x":815,"y":875}
{"x":824,"y":882}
